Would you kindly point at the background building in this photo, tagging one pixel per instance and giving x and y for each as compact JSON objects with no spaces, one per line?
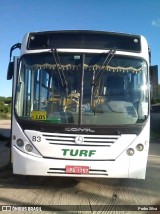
{"x":154,"y":81}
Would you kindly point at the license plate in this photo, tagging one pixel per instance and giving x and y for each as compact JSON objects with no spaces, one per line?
{"x":77,"y":169}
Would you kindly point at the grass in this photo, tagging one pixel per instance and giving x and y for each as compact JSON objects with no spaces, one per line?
{"x":5,"y":116}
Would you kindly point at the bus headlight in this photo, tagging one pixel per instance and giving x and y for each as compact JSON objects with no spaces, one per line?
{"x":20,"y":142}
{"x":28,"y":147}
{"x":130,"y":152}
{"x":140,"y":147}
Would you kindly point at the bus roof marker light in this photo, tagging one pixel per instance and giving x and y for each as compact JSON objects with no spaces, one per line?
{"x":136,"y":40}
{"x":32,"y":37}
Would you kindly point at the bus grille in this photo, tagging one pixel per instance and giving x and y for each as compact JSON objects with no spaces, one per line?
{"x":91,"y":172}
{"x":88,"y":140}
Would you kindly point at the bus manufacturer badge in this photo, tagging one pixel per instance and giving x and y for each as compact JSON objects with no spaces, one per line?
{"x":79,"y":140}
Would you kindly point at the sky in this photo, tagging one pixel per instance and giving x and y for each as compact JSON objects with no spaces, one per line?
{"x":18,"y":17}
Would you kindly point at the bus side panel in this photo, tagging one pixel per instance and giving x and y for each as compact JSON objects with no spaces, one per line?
{"x":138,"y":162}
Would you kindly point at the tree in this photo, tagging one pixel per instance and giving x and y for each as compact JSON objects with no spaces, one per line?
{"x":5,"y":105}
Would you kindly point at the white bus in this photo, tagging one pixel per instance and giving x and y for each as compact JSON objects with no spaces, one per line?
{"x":80,"y":104}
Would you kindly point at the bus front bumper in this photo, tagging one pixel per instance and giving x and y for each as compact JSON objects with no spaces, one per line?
{"x":122,"y":167}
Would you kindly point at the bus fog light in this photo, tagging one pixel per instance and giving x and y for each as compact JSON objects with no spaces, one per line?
{"x":28,"y":147}
{"x":20,"y":142}
{"x":140,"y":147}
{"x":130,"y":151}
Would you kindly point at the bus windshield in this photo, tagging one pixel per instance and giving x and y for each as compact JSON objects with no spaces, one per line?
{"x":59,"y":89}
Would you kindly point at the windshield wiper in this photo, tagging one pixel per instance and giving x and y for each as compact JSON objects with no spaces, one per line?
{"x":59,"y":68}
{"x":106,"y":62}
{"x":97,"y":77}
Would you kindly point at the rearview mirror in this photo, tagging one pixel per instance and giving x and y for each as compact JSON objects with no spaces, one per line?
{"x":10,"y":70}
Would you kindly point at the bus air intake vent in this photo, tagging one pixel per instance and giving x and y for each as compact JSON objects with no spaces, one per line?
{"x":91,"y":172}
{"x":88,"y":140}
